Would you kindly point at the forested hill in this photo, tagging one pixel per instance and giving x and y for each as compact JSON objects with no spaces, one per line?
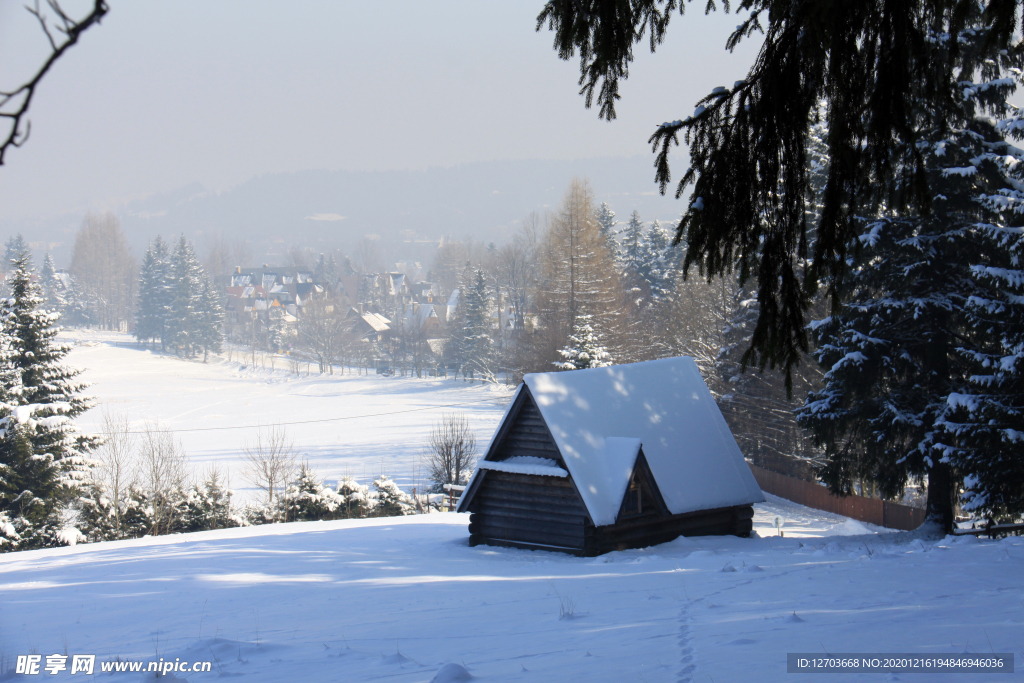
{"x":480,"y":200}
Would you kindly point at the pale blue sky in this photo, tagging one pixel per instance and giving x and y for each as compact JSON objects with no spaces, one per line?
{"x":165,"y":93}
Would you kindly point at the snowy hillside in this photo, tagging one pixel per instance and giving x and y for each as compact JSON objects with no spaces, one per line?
{"x":398,"y":599}
{"x":355,"y":425}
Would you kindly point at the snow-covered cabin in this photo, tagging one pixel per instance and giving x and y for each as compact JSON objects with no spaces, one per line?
{"x":626,"y":456}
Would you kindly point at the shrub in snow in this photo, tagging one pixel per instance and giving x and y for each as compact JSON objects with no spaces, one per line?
{"x":355,"y":499}
{"x":208,"y":506}
{"x":254,"y":514}
{"x":308,"y":499}
{"x":9,"y":537}
{"x":97,"y":520}
{"x":391,"y":501}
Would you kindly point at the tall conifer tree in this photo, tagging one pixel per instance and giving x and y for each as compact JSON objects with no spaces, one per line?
{"x":43,"y":458}
{"x":893,"y":349}
{"x":154,"y":293}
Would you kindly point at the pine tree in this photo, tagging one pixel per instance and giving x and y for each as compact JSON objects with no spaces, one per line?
{"x":155,"y":293}
{"x":583,"y":349}
{"x":346,"y":267}
{"x":326,"y":271}
{"x":14,"y":248}
{"x":96,"y":514}
{"x":183,"y":324}
{"x":657,"y":271}
{"x":633,"y":250}
{"x":478,"y":344}
{"x":43,"y":459}
{"x":76,"y":309}
{"x":455,"y":325}
{"x":276,"y":328}
{"x":29,"y":485}
{"x":758,"y":404}
{"x":982,"y":431}
{"x":892,"y":351}
{"x":210,"y":318}
{"x":606,"y":223}
{"x":53,"y":289}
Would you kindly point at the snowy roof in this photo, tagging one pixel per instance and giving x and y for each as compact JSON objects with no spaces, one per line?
{"x":378,"y":322}
{"x":396,"y":282}
{"x":600,"y":418}
{"x":417,"y":314}
{"x":453,"y":300}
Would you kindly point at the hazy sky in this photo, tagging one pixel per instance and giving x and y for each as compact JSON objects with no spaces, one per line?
{"x":165,"y":93}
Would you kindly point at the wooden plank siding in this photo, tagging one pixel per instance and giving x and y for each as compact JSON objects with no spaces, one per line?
{"x":528,"y":509}
{"x":527,"y":433}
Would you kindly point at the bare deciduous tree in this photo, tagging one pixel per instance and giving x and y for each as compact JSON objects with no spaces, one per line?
{"x":269,"y":460}
{"x":452,"y":450}
{"x":117,"y":458}
{"x":223,"y":255}
{"x":577,"y":275}
{"x":164,"y":473}
{"x":62,"y":34}
{"x":321,"y":331}
{"x":106,"y":269}
{"x":367,"y":257}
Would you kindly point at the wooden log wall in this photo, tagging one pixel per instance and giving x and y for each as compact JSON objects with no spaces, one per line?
{"x":528,"y":509}
{"x":645,"y":532}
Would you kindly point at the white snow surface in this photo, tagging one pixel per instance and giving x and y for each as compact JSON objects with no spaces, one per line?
{"x":374,"y":423}
{"x":597,"y":416}
{"x":407,"y":600}
{"x":525,"y":464}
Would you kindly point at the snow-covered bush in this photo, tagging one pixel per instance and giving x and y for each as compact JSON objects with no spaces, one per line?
{"x":9,"y":537}
{"x":391,"y":501}
{"x":308,"y":499}
{"x":208,"y":506}
{"x":254,"y":514}
{"x":355,"y":499}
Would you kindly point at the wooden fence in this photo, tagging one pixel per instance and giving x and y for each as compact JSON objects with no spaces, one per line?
{"x":871,"y":510}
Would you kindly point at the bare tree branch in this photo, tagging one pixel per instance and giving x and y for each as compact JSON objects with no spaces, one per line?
{"x":71,"y":30}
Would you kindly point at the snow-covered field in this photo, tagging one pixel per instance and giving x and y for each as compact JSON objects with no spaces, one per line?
{"x":398,"y":599}
{"x":407,"y":600}
{"x":356,"y":425}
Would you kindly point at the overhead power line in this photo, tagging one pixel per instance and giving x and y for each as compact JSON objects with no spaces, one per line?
{"x":326,"y":419}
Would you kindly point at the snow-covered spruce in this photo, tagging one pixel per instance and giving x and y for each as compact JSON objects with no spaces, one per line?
{"x":583,"y":348}
{"x":194,"y":315}
{"x":984,"y":427}
{"x":923,"y":318}
{"x":477,"y":344}
{"x":43,"y":458}
{"x":155,"y":293}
